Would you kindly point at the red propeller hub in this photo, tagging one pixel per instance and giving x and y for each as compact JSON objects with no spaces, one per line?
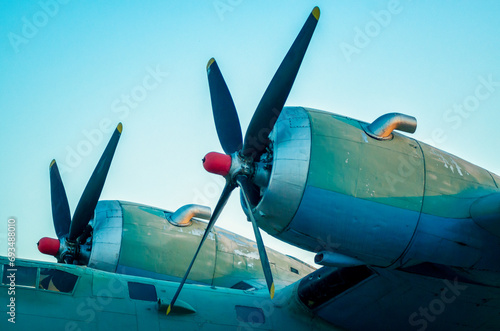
{"x":217,"y":163}
{"x":48,"y":246}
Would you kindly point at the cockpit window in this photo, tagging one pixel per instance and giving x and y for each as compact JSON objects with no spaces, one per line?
{"x":50,"y":279}
{"x":140,"y":291}
{"x":57,"y":280}
{"x":20,"y":276}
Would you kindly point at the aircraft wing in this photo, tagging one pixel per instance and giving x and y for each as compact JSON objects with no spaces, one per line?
{"x":422,"y":297}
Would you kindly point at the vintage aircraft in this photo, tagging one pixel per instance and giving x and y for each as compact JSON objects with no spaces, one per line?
{"x":358,"y":194}
{"x":408,"y":234}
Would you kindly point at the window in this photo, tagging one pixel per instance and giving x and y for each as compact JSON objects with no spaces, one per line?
{"x":57,"y":280}
{"x":295,"y":271}
{"x":50,"y":279}
{"x":251,"y":315}
{"x":139,"y":291}
{"x":243,"y":286}
{"x":21,"y":276}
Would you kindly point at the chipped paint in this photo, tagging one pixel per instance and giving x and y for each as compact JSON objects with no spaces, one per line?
{"x":200,"y":232}
{"x":218,"y":263}
{"x":458,"y":167}
{"x":250,"y":255}
{"x":452,"y":164}
{"x":234,"y":238}
{"x":365,"y":138}
{"x":347,"y":160}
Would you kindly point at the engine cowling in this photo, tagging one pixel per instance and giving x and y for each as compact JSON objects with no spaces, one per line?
{"x":334,"y":187}
{"x":134,"y":239}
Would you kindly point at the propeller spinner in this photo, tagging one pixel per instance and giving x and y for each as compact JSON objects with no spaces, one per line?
{"x":241,"y":161}
{"x":71,"y":233}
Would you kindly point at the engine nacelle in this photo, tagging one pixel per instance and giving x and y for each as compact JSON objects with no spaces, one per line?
{"x":134,"y":239}
{"x":386,"y":202}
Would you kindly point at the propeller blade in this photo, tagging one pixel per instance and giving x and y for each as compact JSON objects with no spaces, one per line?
{"x":243,"y":183}
{"x":226,"y":118}
{"x":86,"y":206}
{"x":226,"y":193}
{"x":274,"y":98}
{"x":60,"y":207}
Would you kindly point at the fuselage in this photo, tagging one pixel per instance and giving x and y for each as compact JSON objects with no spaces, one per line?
{"x":50,"y":296}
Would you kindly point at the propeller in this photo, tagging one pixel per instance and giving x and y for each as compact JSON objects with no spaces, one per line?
{"x":240,"y":164}
{"x":71,"y":233}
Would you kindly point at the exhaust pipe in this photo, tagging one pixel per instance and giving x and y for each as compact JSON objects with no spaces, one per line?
{"x":332,"y":259}
{"x":183,"y":215}
{"x":383,"y":126}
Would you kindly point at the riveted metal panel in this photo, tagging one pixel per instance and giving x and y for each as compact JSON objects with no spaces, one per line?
{"x":292,"y":143}
{"x":107,"y":236}
{"x":457,"y":241}
{"x":496,"y":178}
{"x":367,"y":230}
{"x":365,"y":197}
{"x":138,"y":240}
{"x":453,"y":184}
{"x":238,"y":257}
{"x":345,"y":160}
{"x":151,"y":243}
{"x":109,"y":306}
{"x":359,"y":189}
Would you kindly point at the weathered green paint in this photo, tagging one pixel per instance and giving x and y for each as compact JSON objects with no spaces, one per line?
{"x":242,"y":254}
{"x":151,"y":243}
{"x":344,"y":159}
{"x":407,"y":197}
{"x":452,"y":184}
{"x":496,"y":179}
{"x":101,"y":301}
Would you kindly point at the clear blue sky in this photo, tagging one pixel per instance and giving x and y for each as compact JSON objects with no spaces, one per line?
{"x":67,"y":69}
